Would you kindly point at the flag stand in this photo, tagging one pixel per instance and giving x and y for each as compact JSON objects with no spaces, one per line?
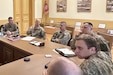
{"x":45,"y":12}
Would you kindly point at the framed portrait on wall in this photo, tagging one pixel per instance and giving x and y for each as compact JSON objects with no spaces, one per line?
{"x":61,"y":5}
{"x":109,"y":5}
{"x":84,"y":5}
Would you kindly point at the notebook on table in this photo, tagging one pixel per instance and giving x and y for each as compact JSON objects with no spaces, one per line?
{"x":65,"y":52}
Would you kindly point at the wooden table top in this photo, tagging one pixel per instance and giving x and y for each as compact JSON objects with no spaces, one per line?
{"x":37,"y":61}
{"x":34,"y":67}
{"x":26,"y":46}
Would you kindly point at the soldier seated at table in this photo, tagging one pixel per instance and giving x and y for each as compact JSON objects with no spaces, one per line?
{"x":36,"y":30}
{"x":62,"y":36}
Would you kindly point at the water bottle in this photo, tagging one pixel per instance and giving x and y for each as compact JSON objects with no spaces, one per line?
{"x":2,"y":32}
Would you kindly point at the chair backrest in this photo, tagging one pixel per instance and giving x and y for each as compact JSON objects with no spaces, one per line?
{"x":108,"y":38}
{"x":1,"y":27}
{"x":71,"y":31}
{"x":42,"y":25}
{"x":16,"y":23}
{"x":17,"y":28}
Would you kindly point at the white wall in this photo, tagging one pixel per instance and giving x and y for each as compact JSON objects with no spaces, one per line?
{"x":98,"y":11}
{"x":6,"y":9}
{"x":38,"y":8}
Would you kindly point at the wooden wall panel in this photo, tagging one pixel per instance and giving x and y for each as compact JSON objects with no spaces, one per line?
{"x":71,"y":22}
{"x":3,"y":22}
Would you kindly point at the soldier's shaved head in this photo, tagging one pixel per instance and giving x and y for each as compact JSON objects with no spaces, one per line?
{"x":63,"y":66}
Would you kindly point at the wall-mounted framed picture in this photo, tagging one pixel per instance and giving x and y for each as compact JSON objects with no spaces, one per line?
{"x":84,"y":5}
{"x":109,"y":5}
{"x":61,"y":5}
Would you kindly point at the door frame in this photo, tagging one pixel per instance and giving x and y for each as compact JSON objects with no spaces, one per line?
{"x":31,"y":11}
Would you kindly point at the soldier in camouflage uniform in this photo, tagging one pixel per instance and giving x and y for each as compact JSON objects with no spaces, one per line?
{"x":62,"y":36}
{"x":86,"y":28}
{"x":11,"y":28}
{"x":96,"y":62}
{"x":37,"y":31}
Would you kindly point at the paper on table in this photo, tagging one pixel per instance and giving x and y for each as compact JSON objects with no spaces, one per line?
{"x":55,"y":51}
{"x":28,"y":38}
{"x":77,"y":29}
{"x":101,"y":26}
{"x":14,"y":38}
{"x":110,"y":31}
{"x":51,"y":21}
{"x":78,"y":24}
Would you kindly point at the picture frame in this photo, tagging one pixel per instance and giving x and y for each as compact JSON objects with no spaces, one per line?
{"x":109,"y":5}
{"x":84,"y":5}
{"x":61,"y":5}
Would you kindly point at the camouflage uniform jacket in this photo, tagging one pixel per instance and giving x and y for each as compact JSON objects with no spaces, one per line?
{"x":61,"y":37}
{"x":101,"y":41}
{"x":97,"y":64}
{"x":37,"y":32}
{"x":12,"y":28}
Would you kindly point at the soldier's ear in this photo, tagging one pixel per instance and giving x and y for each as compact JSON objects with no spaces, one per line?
{"x":92,"y":50}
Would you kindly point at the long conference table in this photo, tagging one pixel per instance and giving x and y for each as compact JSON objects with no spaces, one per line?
{"x":13,"y":54}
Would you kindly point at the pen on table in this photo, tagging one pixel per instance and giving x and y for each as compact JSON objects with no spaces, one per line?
{"x":46,"y":66}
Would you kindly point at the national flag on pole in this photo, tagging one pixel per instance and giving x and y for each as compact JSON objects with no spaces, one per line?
{"x":46,"y":8}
